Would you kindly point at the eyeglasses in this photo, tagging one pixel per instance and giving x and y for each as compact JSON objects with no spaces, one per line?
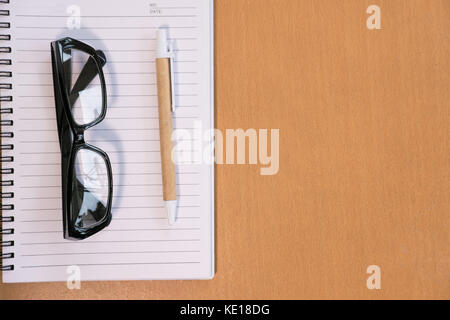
{"x":80,"y":100}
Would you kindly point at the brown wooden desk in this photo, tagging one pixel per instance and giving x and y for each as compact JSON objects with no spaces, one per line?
{"x":365,"y":157}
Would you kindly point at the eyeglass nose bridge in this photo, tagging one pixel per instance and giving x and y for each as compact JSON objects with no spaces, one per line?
{"x":79,"y":136}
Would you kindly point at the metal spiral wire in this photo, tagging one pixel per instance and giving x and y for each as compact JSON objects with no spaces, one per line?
{"x":7,"y":180}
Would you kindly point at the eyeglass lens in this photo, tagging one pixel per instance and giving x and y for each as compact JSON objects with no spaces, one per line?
{"x":83,"y":86}
{"x":90,"y":189}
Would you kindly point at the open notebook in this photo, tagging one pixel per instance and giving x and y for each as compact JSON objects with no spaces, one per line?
{"x":139,"y":243}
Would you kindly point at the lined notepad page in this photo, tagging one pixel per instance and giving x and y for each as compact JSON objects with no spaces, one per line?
{"x":139,"y":243}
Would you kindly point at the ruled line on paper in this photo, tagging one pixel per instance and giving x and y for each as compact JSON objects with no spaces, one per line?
{"x":109,"y":230}
{"x":110,"y":241}
{"x":109,"y":84}
{"x":110,"y":264}
{"x":116,"y":62}
{"x":104,"y":28}
{"x":113,"y":163}
{"x":115,"y":218}
{"x":109,"y":50}
{"x":122,"y":207}
{"x":107,"y":39}
{"x":104,"y":16}
{"x":114,"y":118}
{"x":96,"y":141}
{"x":107,"y":252}
{"x":109,"y":107}
{"x":113,"y":73}
{"x":107,"y":129}
{"x":115,"y":185}
{"x":116,"y":196}
{"x":117,"y":174}
{"x":127,"y":95}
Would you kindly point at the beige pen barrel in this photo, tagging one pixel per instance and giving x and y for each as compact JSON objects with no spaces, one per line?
{"x":166,"y":128}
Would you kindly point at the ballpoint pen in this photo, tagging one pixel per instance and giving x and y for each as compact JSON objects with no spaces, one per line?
{"x":166,"y":106}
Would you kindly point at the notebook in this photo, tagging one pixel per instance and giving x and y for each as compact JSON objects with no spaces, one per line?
{"x":139,"y":244}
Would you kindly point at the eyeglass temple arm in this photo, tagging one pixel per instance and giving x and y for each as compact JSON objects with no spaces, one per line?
{"x":88,"y":74}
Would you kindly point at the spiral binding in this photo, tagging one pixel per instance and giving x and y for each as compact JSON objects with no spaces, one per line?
{"x":6,"y":134}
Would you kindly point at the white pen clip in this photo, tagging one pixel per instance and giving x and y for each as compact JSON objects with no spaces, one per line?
{"x":172,"y":74}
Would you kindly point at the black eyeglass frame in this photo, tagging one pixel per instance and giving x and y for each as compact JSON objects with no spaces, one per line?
{"x":71,"y":134}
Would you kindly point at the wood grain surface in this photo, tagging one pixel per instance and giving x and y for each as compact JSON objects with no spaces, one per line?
{"x":364,"y":173}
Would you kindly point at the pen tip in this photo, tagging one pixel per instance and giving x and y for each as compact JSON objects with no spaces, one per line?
{"x":171,"y":207}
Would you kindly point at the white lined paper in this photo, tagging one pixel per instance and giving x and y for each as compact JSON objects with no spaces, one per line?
{"x":139,"y":243}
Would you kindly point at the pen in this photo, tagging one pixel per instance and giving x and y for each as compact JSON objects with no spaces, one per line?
{"x":166,"y":106}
